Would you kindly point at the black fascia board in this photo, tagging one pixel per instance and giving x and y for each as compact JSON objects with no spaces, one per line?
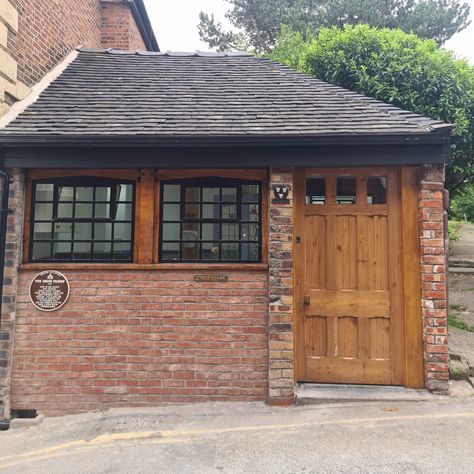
{"x":142,"y":20}
{"x":145,"y":141}
{"x":223,"y":157}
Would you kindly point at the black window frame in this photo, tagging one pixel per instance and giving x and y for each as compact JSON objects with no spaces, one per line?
{"x":78,"y":182}
{"x":211,"y":182}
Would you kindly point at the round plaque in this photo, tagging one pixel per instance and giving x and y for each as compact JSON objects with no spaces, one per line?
{"x":49,"y":290}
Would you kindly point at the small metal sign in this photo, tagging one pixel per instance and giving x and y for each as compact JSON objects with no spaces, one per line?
{"x":49,"y":290}
{"x":211,"y":278}
{"x":280,"y":194}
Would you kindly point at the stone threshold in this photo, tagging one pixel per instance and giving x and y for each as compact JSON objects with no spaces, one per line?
{"x":313,"y":394}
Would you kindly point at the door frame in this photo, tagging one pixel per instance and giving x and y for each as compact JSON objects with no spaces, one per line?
{"x":410,"y":372}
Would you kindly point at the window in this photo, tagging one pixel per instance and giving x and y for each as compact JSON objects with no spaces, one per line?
{"x":210,"y":220}
{"x":82,"y":220}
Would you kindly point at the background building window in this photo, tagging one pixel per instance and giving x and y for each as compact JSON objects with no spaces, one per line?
{"x":209,"y":220}
{"x":82,"y":220}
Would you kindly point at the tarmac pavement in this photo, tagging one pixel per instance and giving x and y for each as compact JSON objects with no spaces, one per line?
{"x":376,"y":437}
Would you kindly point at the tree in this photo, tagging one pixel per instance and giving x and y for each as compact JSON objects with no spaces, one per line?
{"x":258,"y":22}
{"x":395,"y":67}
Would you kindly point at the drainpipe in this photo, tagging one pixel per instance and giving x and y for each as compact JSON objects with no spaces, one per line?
{"x":5,"y":188}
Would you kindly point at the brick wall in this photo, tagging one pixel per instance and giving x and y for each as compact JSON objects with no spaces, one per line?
{"x":119,"y":29}
{"x":281,"y":350}
{"x":142,"y":338}
{"x":433,"y":240}
{"x":12,"y":260}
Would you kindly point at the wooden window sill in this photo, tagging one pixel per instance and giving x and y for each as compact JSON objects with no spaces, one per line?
{"x":230,"y":267}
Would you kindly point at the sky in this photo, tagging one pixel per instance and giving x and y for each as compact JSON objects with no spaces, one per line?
{"x":175,"y":24}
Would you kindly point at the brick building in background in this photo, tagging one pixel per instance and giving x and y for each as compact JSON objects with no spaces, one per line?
{"x":35,"y":36}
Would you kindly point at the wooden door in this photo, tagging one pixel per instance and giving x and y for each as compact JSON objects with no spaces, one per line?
{"x":349,"y":317}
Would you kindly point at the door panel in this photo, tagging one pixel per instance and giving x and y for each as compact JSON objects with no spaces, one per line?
{"x":349,"y":320}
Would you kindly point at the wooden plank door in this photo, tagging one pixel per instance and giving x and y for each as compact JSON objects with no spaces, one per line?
{"x":349,"y":318}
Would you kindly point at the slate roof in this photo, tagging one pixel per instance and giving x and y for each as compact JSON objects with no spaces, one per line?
{"x":116,"y":94}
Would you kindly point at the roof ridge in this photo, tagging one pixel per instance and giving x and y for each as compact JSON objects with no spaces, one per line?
{"x":140,"y":52}
{"x":427,"y":123}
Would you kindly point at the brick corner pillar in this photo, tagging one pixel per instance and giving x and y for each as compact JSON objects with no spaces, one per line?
{"x":280,"y":319}
{"x":12,"y":260}
{"x":434,"y":276}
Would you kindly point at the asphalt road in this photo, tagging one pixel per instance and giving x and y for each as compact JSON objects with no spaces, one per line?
{"x":404,"y":437}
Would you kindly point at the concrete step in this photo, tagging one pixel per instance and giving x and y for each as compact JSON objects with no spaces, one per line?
{"x":461,"y":262}
{"x":461,"y":270}
{"x":313,"y":394}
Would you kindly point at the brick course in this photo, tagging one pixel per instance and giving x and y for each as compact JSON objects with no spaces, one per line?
{"x":142,"y":338}
{"x":434,"y":268}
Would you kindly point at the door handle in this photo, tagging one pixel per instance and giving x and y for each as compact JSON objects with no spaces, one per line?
{"x":307,"y":301}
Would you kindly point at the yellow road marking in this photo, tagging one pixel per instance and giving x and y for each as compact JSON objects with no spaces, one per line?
{"x":175,"y":437}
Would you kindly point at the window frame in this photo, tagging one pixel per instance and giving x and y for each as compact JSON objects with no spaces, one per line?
{"x":75,"y":182}
{"x":211,"y":182}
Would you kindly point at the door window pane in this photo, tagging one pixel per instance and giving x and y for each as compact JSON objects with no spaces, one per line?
{"x":171,"y":212}
{"x":377,"y":190}
{"x":315,"y":190}
{"x":346,"y":190}
{"x":171,"y":193}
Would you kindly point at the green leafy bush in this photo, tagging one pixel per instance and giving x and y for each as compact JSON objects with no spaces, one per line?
{"x":395,"y":67}
{"x":462,"y":204}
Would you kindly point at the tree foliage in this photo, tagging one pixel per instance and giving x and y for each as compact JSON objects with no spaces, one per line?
{"x":462,"y":205}
{"x":258,"y":22}
{"x":395,"y":67}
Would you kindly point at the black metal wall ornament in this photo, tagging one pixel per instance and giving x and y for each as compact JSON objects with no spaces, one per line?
{"x":280,"y":194}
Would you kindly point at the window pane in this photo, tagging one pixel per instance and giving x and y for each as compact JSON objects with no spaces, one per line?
{"x":62,"y":250}
{"x":65,"y":211}
{"x":41,"y":251}
{"x":102,"y":194}
{"x":229,"y":194}
{"x":250,"y":212}
{"x":102,"y":211}
{"x":82,"y":231}
{"x":171,"y":212}
{"x":170,"y":251}
{"x":250,"y":193}
{"x":346,"y":190}
{"x":249,"y":232}
{"x":191,"y":231}
{"x":192,"y":211}
{"x":211,"y":211}
{"x":171,"y":193}
{"x":84,"y":194}
{"x":42,"y":231}
{"x":210,"y":231}
{"x":124,"y":212}
{"x":102,"y":251}
{"x":211,"y":195}
{"x":63,"y":231}
{"x":315,"y":190}
{"x":229,"y":211}
{"x":249,"y":252}
{"x":43,"y":212}
{"x":84,"y":211}
{"x":190,"y":251}
{"x":230,"y":231}
{"x":103,"y":231}
{"x":122,"y":251}
{"x":125,"y":192}
{"x":230,"y":251}
{"x":171,"y":231}
{"x":377,"y":190}
{"x":82,"y":251}
{"x":66,"y":193}
{"x":193,"y":194}
{"x":44,"y":192}
{"x":122,"y":232}
{"x":210,"y":251}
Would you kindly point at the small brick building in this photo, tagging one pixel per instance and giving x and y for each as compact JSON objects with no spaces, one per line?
{"x":229,"y":228}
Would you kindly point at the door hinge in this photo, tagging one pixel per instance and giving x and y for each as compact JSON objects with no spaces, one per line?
{"x":297,"y":239}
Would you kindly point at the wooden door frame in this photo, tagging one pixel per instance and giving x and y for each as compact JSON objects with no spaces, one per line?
{"x":411,"y":374}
